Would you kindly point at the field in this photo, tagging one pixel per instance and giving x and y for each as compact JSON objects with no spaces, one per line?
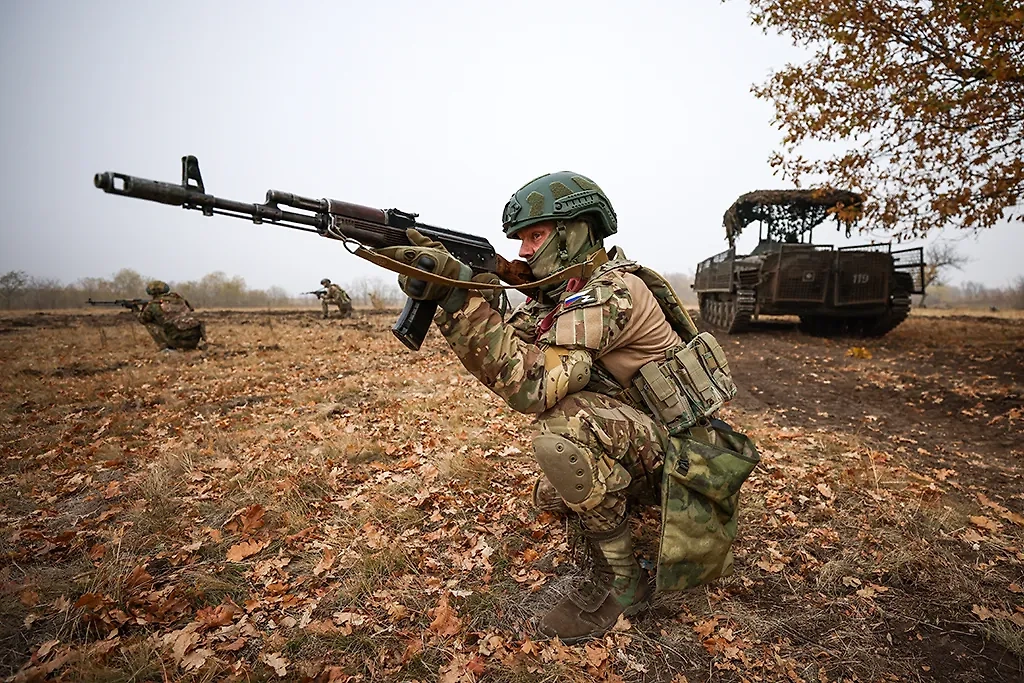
{"x":308,"y":500}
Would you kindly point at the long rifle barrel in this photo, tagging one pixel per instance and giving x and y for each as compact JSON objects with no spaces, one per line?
{"x":373,"y":228}
{"x":193,"y":198}
{"x":332,"y":218}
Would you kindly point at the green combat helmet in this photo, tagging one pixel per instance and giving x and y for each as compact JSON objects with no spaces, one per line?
{"x":325,"y":282}
{"x":157,"y":287}
{"x":559,"y":196}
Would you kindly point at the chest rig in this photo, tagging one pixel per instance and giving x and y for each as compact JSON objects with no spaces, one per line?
{"x":681,"y":390}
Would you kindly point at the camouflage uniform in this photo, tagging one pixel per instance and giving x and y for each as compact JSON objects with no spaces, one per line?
{"x":335,"y":295}
{"x":169,"y":319}
{"x":569,"y":356}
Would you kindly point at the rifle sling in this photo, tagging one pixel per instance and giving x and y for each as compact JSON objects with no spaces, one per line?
{"x":583,"y":271}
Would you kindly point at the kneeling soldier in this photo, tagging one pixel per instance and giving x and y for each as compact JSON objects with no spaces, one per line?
{"x":606,"y":361}
{"x":333,"y":294}
{"x":169,"y":319}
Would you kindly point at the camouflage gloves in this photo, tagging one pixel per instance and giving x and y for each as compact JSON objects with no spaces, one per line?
{"x":431,"y":256}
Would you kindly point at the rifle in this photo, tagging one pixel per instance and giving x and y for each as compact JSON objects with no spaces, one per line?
{"x":133,"y":304}
{"x":318,"y":292}
{"x":370,"y":227}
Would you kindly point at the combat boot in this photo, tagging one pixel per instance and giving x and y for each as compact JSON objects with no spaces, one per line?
{"x":616,"y":586}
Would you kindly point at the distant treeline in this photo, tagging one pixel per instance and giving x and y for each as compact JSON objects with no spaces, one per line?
{"x":976,"y":295}
{"x":18,"y":290}
{"x":21,"y":291}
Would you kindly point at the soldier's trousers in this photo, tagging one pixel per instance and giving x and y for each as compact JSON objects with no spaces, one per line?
{"x":625,"y":449}
{"x":157,"y":333}
{"x":344,"y":308}
{"x":168,"y":336}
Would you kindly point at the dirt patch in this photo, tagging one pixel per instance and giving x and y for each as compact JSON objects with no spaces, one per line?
{"x":948,"y":392}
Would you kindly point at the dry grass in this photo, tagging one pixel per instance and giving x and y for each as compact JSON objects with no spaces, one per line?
{"x":415,"y":480}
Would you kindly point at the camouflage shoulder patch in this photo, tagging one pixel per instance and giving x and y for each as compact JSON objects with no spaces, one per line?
{"x":591,"y":317}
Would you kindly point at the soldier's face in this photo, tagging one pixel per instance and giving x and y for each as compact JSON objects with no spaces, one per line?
{"x":533,"y":237}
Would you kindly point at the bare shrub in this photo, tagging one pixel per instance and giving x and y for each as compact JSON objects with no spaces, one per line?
{"x":376,"y":294}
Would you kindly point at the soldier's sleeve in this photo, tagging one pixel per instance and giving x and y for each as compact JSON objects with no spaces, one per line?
{"x":593,"y":318}
{"x":148,"y":315}
{"x":489,"y":348}
{"x":530,"y":377}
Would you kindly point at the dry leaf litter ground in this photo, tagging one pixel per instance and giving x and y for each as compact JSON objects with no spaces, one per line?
{"x":308,"y":500}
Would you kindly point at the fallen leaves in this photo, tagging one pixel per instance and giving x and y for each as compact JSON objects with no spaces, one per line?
{"x":240,"y":551}
{"x":325,"y":563}
{"x":446,"y":621}
{"x":276,"y":662}
{"x":1003,"y":512}
{"x":376,"y":528}
{"x":981,"y":612}
{"x":196,"y":659}
{"x":870,"y":591}
{"x":347,"y":621}
{"x":858,"y":352}
{"x":984,"y":613}
{"x":213,"y":617}
{"x":984,"y":523}
{"x":246,"y":520}
{"x":596,"y":655}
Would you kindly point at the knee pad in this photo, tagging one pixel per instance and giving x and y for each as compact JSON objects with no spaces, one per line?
{"x":569,"y":468}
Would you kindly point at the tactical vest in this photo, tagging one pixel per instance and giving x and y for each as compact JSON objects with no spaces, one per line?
{"x":691,"y":383}
{"x":706,"y":461}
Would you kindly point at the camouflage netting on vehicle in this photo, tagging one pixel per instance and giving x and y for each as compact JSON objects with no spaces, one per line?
{"x":788,"y":213}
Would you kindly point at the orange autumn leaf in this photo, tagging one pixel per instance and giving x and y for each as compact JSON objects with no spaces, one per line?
{"x":706,"y":628}
{"x":221,"y":615}
{"x":276,"y":662}
{"x":240,"y":551}
{"x":595,"y":655}
{"x":984,"y":523}
{"x":246,"y":520}
{"x":325,"y":563}
{"x":446,"y":622}
{"x":981,"y":612}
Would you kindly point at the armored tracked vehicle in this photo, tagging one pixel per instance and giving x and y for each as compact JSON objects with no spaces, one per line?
{"x":861,"y":290}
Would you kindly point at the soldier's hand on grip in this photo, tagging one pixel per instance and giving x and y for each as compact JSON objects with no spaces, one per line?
{"x":428,"y":255}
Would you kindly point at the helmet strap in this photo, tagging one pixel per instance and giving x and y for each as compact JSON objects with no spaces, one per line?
{"x":563,"y":254}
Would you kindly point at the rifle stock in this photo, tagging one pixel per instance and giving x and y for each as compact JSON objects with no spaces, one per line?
{"x":374,"y":228}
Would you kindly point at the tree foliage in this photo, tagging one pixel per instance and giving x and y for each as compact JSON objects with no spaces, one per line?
{"x":11,"y":284}
{"x":927,"y":98}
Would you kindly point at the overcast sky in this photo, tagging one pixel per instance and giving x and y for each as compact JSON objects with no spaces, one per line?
{"x":441,"y":108}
